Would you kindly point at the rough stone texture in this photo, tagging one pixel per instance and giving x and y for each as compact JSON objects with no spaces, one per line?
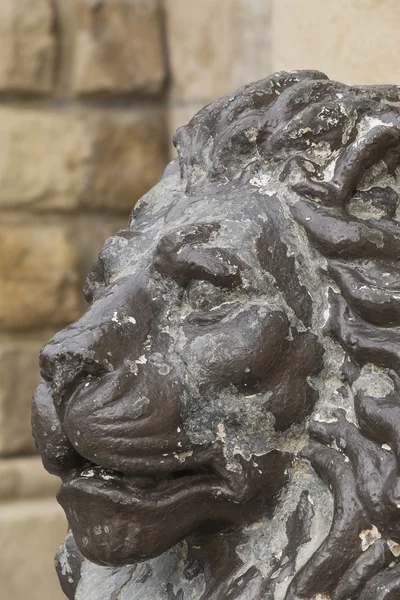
{"x":37,"y":276}
{"x":224,"y":416}
{"x":45,"y":157}
{"x":24,"y":478}
{"x":19,"y":373}
{"x":30,"y":533}
{"x":118,"y":47}
{"x":62,"y":160}
{"x":355,"y":42}
{"x":27,"y":46}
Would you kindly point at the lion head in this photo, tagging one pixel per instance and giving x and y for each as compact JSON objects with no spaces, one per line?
{"x":243,"y":336}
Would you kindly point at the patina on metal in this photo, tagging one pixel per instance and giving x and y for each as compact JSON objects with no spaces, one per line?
{"x":225,"y":418}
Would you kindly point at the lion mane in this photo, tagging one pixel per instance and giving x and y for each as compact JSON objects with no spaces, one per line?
{"x":338,"y":148}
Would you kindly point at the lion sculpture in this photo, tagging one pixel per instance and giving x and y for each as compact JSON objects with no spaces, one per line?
{"x":225,"y":418}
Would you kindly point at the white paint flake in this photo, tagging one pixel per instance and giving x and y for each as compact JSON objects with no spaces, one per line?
{"x":394,"y":548}
{"x":142,"y":360}
{"x":368,"y":537}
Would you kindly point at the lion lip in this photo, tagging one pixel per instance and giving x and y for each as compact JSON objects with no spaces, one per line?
{"x":100,"y":474}
{"x":140,"y":489}
{"x":140,"y":483}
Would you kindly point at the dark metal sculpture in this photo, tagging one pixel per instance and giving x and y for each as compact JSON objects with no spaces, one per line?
{"x":225,"y":418}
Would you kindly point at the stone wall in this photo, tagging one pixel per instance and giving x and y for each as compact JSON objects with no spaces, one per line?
{"x":82,"y":136}
{"x":91,"y":92}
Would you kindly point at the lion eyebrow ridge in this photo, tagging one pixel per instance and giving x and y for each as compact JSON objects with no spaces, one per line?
{"x":183,"y":256}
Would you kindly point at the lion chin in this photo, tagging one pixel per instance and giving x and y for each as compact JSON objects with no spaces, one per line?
{"x":224,"y":417}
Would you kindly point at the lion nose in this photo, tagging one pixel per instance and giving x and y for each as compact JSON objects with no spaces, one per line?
{"x":68,"y":358}
{"x":99,"y":341}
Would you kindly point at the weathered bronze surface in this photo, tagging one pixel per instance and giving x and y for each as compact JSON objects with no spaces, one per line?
{"x":225,"y":418}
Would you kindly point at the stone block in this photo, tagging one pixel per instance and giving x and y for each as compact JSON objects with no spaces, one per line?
{"x":30,"y":534}
{"x":27,"y":46}
{"x":25,"y":478}
{"x":62,"y":160}
{"x":19,"y":375}
{"x":127,"y":159}
{"x":44,"y":158}
{"x":37,"y":276}
{"x":118,"y":47}
{"x":355,"y":42}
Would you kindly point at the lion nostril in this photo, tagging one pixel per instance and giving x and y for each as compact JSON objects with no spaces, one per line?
{"x":65,"y":369}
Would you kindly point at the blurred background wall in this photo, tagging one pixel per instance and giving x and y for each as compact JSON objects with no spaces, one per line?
{"x":91,"y":92}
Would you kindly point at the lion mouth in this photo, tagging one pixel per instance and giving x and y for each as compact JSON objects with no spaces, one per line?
{"x":143,"y":490}
{"x":122,"y":519}
{"x":129,"y":478}
{"x":144,"y":483}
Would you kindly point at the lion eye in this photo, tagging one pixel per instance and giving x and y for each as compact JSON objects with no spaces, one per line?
{"x":203,"y":295}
